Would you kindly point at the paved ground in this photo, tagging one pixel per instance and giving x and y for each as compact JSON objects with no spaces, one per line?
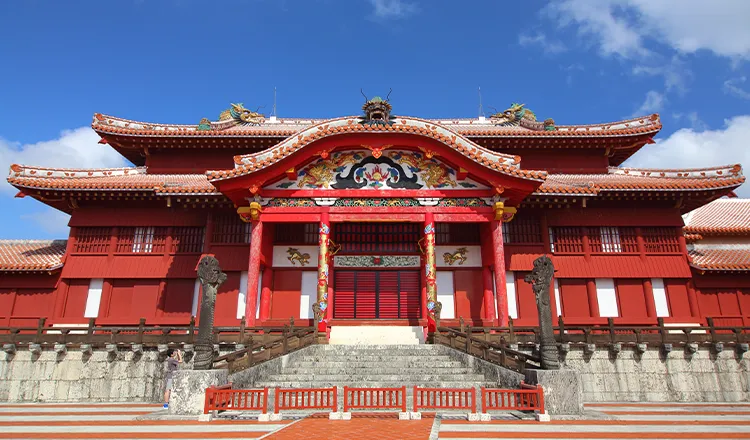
{"x":606,"y":421}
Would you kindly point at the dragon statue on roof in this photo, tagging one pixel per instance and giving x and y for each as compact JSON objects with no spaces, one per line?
{"x":242,"y":115}
{"x":377,"y":111}
{"x":519,"y":115}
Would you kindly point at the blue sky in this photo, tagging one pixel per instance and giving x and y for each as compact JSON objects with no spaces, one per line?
{"x":176,"y":61}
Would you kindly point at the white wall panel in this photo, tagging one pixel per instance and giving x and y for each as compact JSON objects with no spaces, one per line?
{"x":446,"y":294}
{"x":557,"y":298}
{"x":660,"y":297}
{"x":242,"y":296}
{"x":196,"y":293}
{"x":510,"y":290}
{"x":607,"y":298}
{"x":281,"y":255}
{"x":309,"y":294}
{"x":94,"y":298}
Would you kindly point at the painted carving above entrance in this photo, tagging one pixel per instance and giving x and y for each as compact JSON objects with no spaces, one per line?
{"x":378,"y":170}
{"x":376,"y":261}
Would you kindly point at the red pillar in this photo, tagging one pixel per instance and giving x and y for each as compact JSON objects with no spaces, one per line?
{"x":329,"y":311}
{"x":324,"y":234}
{"x":593,"y":301}
{"x":489,"y":297}
{"x":430,"y":274}
{"x":693,"y":300}
{"x":253,"y":271}
{"x":499,"y":254}
{"x":648,"y":289}
{"x":61,"y":294}
{"x":265,"y":294}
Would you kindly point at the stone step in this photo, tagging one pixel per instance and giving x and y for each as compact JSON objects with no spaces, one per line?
{"x":342,"y":365}
{"x":423,"y":347}
{"x":381,"y":369}
{"x":381,"y":335}
{"x":375,"y":377}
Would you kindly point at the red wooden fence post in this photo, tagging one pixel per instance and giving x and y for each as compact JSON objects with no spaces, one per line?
{"x":484,"y":400}
{"x":208,"y":401}
{"x":265,"y":400}
{"x":346,"y":398}
{"x":335,"y":399}
{"x":414,"y":400}
{"x":277,"y":395}
{"x":403,"y":398}
{"x":473,"y":400}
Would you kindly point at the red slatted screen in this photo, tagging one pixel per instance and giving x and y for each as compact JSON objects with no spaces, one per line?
{"x":388,"y":295}
{"x":367,"y":295}
{"x":376,"y":294}
{"x":343,"y":298}
{"x":410,"y":298}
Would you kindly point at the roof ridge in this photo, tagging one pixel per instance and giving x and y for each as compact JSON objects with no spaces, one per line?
{"x":17,"y":170}
{"x":692,"y":173}
{"x":31,"y":240}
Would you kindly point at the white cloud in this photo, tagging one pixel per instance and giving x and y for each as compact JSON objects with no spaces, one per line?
{"x":392,"y":9}
{"x":733,"y":87}
{"x":653,"y":103}
{"x":73,"y":149}
{"x":676,"y":74}
{"x":540,"y":39}
{"x":51,"y":221}
{"x":621,"y":27}
{"x":690,"y":148}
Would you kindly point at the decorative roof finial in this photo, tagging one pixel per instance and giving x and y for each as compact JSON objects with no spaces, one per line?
{"x":376,"y":110}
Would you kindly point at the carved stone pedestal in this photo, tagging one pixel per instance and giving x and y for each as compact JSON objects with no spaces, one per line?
{"x":563,"y":390}
{"x":189,"y":390}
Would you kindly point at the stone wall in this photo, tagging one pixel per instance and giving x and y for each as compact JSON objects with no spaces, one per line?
{"x":75,"y":376}
{"x":677,"y":376}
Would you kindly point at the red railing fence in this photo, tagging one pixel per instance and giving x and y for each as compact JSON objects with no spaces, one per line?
{"x":374,"y":398}
{"x":528,"y":398}
{"x":224,"y":398}
{"x":305,"y":398}
{"x":445,"y":398}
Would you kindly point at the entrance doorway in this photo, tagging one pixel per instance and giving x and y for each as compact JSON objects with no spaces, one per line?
{"x":376,"y":294}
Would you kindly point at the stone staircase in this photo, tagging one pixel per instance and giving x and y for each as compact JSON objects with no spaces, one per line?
{"x":374,"y":366}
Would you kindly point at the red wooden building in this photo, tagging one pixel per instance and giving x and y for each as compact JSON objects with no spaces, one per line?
{"x":379,"y":218}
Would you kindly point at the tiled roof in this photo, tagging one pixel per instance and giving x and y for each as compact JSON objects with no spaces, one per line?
{"x":720,"y":257}
{"x":285,"y":127}
{"x":136,"y":179}
{"x":124,"y":179}
{"x":31,"y":255}
{"x":623,"y":179}
{"x":502,"y":163}
{"x":720,"y":217}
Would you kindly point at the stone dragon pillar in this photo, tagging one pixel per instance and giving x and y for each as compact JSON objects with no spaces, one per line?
{"x":433,"y":305}
{"x":321,"y":306}
{"x":540,"y":279}
{"x":210,"y":277}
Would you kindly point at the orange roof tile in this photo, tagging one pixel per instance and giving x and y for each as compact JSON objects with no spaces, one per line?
{"x":502,"y":163}
{"x":285,"y":127}
{"x":31,"y":255}
{"x":124,"y":179}
{"x":721,"y":257}
{"x":720,"y":217}
{"x":622,"y":179}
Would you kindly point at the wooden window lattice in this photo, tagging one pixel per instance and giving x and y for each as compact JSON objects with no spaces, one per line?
{"x":230,"y":229}
{"x":92,"y":240}
{"x":661,"y":240}
{"x":296,"y":233}
{"x":377,"y":237}
{"x":187,"y":239}
{"x":567,"y":239}
{"x":613,"y":239}
{"x":457,"y":233}
{"x":523,"y":230}
{"x":141,"y":239}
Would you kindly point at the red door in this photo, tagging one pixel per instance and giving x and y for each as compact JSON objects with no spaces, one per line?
{"x":376,"y":294}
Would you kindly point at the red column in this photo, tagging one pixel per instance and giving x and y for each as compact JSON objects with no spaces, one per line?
{"x":430,"y":274}
{"x":61,"y":294}
{"x":502,"y":294}
{"x":253,"y":271}
{"x":489,"y":297}
{"x":208,"y":236}
{"x":324,"y":234}
{"x":648,"y":289}
{"x":265,"y":294}
{"x":107,"y":298}
{"x":693,"y":300}
{"x":593,"y":302}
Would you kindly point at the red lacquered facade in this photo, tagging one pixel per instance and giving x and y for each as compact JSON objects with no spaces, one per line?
{"x":417,"y":212}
